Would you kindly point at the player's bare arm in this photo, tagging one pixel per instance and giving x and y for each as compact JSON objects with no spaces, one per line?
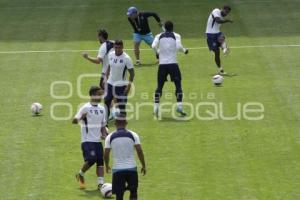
{"x":104,"y":133}
{"x":131,"y":77}
{"x":223,"y":21}
{"x":106,"y":160}
{"x":92,"y":59}
{"x":140,"y":154}
{"x":108,"y":72}
{"x":76,"y":120}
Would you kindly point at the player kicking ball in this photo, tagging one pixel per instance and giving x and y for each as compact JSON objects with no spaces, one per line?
{"x":215,"y":38}
{"x":92,"y":118}
{"x":168,"y":43}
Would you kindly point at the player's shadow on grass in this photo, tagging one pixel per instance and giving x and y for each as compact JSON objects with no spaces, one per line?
{"x":171,"y":119}
{"x":94,"y":193}
{"x":91,"y":193}
{"x":146,"y":65}
{"x":39,"y":115}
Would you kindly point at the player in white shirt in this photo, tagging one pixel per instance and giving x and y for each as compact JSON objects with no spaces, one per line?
{"x":215,"y":38}
{"x":102,"y":57}
{"x":122,"y":143}
{"x":92,"y":118}
{"x":117,"y":85}
{"x":167,"y":44}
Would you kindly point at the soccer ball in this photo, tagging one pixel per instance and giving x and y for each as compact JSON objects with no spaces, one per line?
{"x":106,"y":190}
{"x":36,"y":108}
{"x":217,"y":80}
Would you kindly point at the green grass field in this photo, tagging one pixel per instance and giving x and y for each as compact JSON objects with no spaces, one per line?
{"x":187,"y":160}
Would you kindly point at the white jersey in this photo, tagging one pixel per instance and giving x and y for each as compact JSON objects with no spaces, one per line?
{"x":103,"y":52}
{"x":168,"y":44}
{"x":118,"y":67}
{"x":92,"y":124}
{"x":122,"y":143}
{"x":212,"y":26}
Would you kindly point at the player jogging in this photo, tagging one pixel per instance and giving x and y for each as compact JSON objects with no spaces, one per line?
{"x":168,"y":43}
{"x":142,"y":32}
{"x":102,"y":57}
{"x":122,"y":143}
{"x":215,"y":38}
{"x":92,"y":117}
{"x":117,"y":85}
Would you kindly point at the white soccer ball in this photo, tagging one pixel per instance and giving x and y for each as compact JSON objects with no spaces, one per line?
{"x":217,"y":79}
{"x":106,"y":190}
{"x":36,"y":108}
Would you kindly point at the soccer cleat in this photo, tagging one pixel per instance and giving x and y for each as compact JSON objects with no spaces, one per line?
{"x":138,"y":63}
{"x":80,"y":180}
{"x":222,"y":72}
{"x":226,"y":51}
{"x":99,"y":187}
{"x":180,"y":111}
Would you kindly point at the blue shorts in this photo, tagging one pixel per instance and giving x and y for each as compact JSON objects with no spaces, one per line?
{"x":148,"y":38}
{"x":92,"y":152}
{"x":213,"y":40}
{"x":117,"y":92}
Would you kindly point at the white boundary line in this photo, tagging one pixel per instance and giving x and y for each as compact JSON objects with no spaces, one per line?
{"x":149,"y":49}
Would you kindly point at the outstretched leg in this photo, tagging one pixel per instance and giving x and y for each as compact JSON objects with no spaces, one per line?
{"x":137,"y":52}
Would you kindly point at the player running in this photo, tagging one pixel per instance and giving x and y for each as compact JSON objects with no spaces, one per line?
{"x":117,"y":85}
{"x":122,"y":143}
{"x":142,"y":32}
{"x":92,"y":117}
{"x":215,"y":38}
{"x":168,"y":43}
{"x":102,"y":57}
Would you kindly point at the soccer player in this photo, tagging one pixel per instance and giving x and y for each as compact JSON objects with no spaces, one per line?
{"x":92,"y":118}
{"x":215,"y":38}
{"x":102,"y":57}
{"x":122,"y":143}
{"x":142,"y":32}
{"x":168,"y":43}
{"x":117,"y":85}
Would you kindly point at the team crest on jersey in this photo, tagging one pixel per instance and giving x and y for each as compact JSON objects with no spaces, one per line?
{"x":121,"y":61}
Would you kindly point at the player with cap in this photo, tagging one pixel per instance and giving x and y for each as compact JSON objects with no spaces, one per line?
{"x":141,"y":29}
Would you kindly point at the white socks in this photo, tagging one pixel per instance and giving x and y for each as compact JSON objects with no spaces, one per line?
{"x":81,"y":173}
{"x":100,"y":180}
{"x":179,"y":105}
{"x":115,"y":111}
{"x":156,"y":106}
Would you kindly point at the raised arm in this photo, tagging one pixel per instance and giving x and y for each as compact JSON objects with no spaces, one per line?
{"x":153,"y":14}
{"x":96,"y":60}
{"x":222,"y":21}
{"x":156,"y":17}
